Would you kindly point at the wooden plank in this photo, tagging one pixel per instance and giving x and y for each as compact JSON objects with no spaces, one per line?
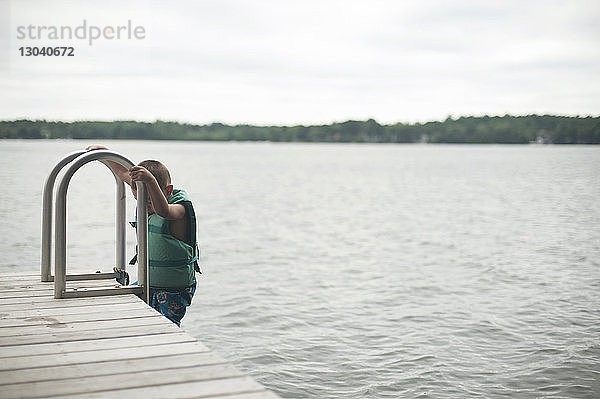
{"x":21,"y":299}
{"x":62,"y":321}
{"x":60,"y":311}
{"x":123,"y":381}
{"x":158,"y":327}
{"x":38,"y":285}
{"x":194,"y":389}
{"x":40,"y":292}
{"x":19,"y":277}
{"x":92,"y":345}
{"x":40,"y":361}
{"x":13,"y":304}
{"x":28,"y":294}
{"x":81,"y":327}
{"x":25,"y":293}
{"x":60,"y":308}
{"x":76,"y":371}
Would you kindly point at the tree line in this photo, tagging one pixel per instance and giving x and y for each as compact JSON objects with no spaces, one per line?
{"x":484,"y":129}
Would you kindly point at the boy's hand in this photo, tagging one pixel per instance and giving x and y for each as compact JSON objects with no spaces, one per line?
{"x":116,"y":167}
{"x":139,"y":173}
{"x":95,"y":147}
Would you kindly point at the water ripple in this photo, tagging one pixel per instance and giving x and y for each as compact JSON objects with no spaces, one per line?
{"x":347,"y":271}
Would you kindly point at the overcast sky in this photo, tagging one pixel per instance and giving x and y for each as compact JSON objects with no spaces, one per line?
{"x":305,"y":62}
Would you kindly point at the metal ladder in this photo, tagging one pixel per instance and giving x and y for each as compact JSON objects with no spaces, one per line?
{"x":77,"y":159}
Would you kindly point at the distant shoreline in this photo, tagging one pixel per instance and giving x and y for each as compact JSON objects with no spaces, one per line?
{"x":529,"y":129}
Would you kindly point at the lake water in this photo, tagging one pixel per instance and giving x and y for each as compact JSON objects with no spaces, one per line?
{"x":364,"y":271}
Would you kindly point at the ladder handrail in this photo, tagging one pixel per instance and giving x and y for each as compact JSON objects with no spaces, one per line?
{"x":60,"y":252}
{"x":47,"y":207}
{"x":46,"y":262}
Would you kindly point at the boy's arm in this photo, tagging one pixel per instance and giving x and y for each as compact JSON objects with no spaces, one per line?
{"x":159,"y":202}
{"x":117,"y":168}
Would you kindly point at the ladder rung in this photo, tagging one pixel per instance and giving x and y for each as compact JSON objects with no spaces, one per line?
{"x":87,"y":276}
{"x":87,"y":292}
{"x":90,"y":276}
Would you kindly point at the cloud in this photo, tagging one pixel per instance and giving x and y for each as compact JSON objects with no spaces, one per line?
{"x":273,"y":62}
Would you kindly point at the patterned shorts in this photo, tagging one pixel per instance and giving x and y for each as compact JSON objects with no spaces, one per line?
{"x":172,"y":303}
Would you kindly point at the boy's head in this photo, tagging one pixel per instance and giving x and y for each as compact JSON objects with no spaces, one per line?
{"x":160,"y":173}
{"x":162,"y":176}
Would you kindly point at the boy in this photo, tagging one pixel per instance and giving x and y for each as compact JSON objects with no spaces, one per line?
{"x":172,"y":246}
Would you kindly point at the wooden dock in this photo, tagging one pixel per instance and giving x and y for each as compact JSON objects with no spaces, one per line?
{"x":104,"y":347}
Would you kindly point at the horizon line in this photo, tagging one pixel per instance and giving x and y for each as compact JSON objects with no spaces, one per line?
{"x":449,"y":117}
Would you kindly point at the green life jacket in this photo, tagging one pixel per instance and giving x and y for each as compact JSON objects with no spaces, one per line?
{"x":172,"y":261}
